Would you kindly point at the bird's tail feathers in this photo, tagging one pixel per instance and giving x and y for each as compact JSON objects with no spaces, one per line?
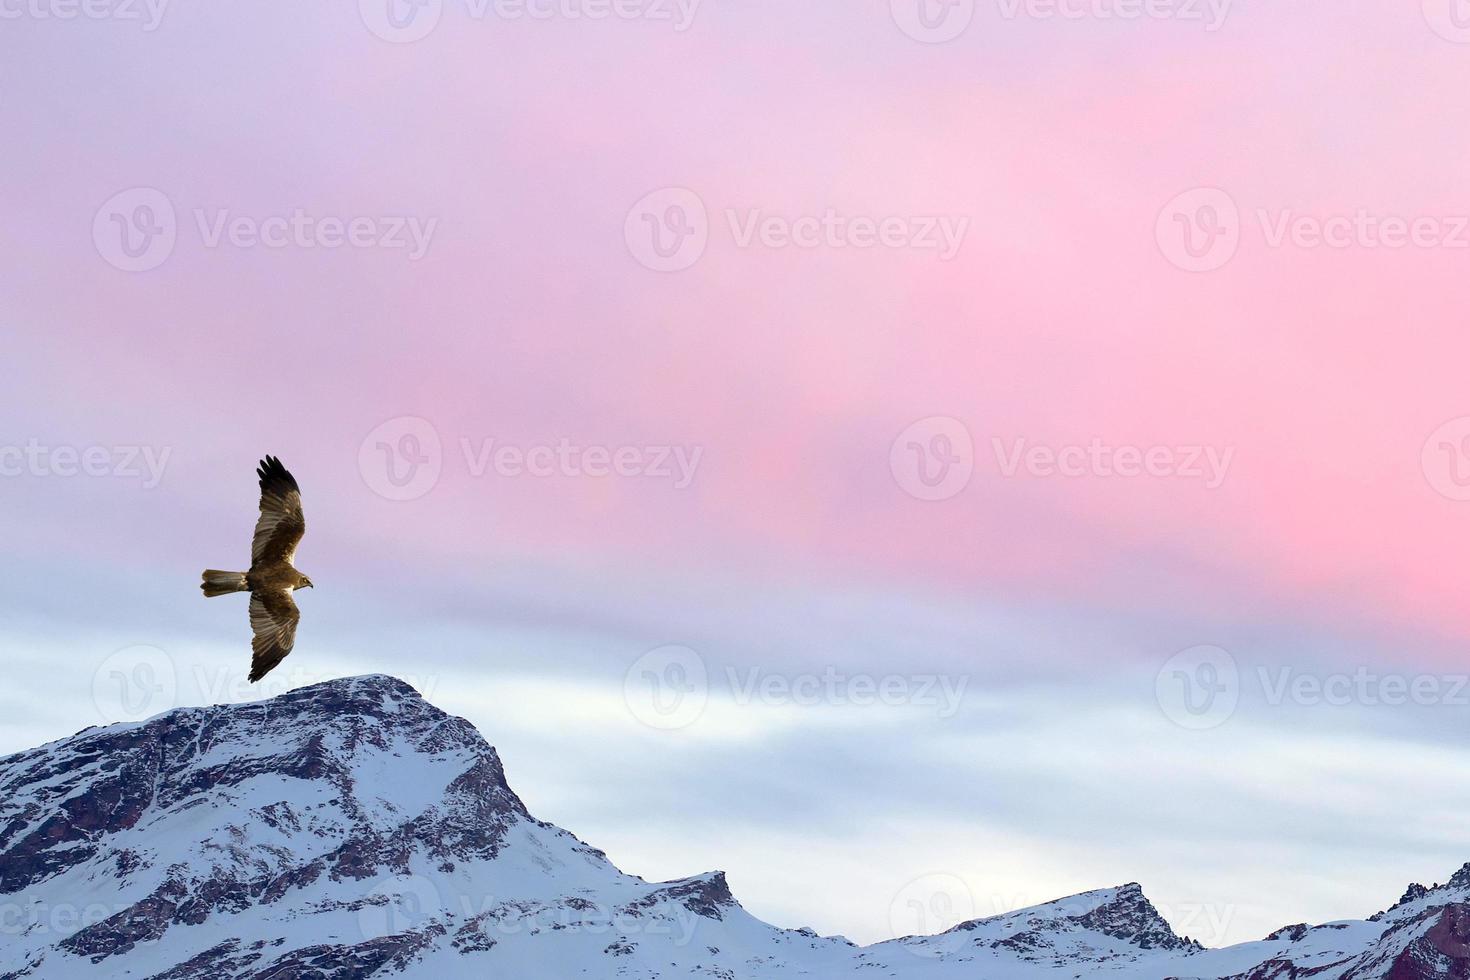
{"x":222,"y":583}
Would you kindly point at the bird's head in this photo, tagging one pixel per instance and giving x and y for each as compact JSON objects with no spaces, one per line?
{"x":305,"y":583}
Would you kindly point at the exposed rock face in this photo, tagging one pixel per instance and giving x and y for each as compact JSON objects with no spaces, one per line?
{"x":351,"y":829}
{"x":76,"y":795}
{"x":342,"y":830}
{"x":1290,"y":934}
{"x":1440,"y":951}
{"x":1131,"y":917}
{"x":1426,"y":934}
{"x":1111,"y":927}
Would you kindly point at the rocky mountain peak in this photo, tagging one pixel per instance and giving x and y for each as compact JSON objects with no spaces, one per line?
{"x":66,"y":802}
{"x":1457,"y":888}
{"x":1131,"y":917}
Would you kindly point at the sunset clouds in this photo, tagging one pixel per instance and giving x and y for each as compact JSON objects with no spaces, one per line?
{"x":1031,"y":343}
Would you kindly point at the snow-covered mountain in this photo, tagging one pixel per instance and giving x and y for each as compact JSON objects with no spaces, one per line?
{"x":351,"y":829}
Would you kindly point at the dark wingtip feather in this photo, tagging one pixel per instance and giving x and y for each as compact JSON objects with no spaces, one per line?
{"x":275,"y":478}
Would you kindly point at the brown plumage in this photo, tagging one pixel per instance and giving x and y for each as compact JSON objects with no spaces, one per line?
{"x":272,"y":576}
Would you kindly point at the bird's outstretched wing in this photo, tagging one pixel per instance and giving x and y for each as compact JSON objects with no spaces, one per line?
{"x":281,"y":525}
{"x":273,"y":619}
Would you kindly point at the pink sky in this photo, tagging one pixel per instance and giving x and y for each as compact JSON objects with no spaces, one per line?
{"x":528,"y":321}
{"x":1063,"y":318}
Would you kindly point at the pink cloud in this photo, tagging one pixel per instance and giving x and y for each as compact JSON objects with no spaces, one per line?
{"x":1059,"y":321}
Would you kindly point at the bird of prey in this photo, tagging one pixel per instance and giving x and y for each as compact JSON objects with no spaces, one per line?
{"x":272,"y":577}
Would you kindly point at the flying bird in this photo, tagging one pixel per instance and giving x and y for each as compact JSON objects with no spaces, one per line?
{"x":272,"y":576}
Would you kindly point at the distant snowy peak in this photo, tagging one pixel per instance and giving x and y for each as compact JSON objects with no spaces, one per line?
{"x":1123,"y":913}
{"x":1457,"y":889}
{"x":1108,"y":926}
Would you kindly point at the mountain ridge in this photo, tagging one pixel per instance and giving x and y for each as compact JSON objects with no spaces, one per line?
{"x":352,"y":829}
